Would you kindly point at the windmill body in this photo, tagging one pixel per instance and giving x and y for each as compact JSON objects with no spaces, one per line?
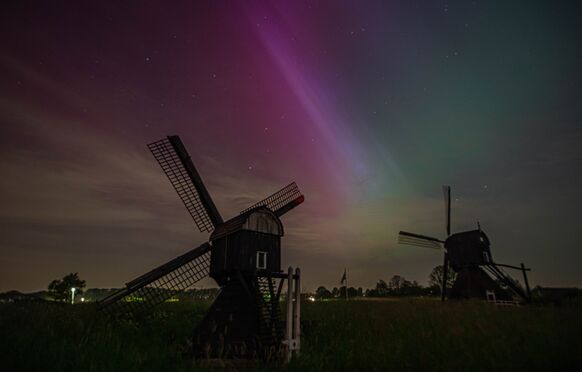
{"x":469,"y":247}
{"x":468,"y":254}
{"x":249,"y":244}
{"x":243,"y":256}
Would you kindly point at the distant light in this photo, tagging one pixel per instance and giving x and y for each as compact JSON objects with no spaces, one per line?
{"x":311,"y":298}
{"x":73,"y":289}
{"x":82,"y":299}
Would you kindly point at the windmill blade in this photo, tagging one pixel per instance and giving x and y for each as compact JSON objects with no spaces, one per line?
{"x":419,"y":240}
{"x":178,"y":167}
{"x":161,"y":283}
{"x":447,"y":195}
{"x":282,"y":201}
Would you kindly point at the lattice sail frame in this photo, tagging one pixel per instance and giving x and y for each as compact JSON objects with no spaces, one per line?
{"x":419,"y":240}
{"x":279,"y":200}
{"x":172,"y":165}
{"x":160,"y":284}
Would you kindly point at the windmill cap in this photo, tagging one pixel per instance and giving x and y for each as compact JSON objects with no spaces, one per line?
{"x":260,"y":219}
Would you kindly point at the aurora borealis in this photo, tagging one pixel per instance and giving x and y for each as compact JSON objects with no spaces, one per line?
{"x":369,"y":106}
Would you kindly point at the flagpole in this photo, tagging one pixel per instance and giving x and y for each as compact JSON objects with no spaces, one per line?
{"x":346,"y":271}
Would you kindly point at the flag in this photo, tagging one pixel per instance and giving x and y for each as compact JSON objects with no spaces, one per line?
{"x":344,"y":278}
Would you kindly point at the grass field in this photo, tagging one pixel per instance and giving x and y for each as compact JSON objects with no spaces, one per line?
{"x":354,"y":335}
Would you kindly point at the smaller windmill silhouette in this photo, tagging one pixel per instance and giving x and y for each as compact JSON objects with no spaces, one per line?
{"x":468,"y":253}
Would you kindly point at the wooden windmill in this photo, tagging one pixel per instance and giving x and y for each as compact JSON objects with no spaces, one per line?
{"x":468,"y":253}
{"x":243,"y":255}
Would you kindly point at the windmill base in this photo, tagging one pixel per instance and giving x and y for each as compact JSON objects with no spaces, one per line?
{"x":473,"y":282}
{"x":243,"y":323}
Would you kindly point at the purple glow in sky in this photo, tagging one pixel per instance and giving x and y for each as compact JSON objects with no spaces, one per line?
{"x":370,"y":107}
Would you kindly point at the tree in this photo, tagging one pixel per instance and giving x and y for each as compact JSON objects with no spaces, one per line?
{"x":323,"y":292}
{"x":396,"y":283}
{"x":435,"y":279}
{"x":381,"y":288}
{"x":411,"y":288}
{"x":60,"y":289}
{"x":335,"y":292}
{"x":352,"y":292}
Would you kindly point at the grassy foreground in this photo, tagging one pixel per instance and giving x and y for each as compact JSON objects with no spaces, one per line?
{"x":357,"y":335}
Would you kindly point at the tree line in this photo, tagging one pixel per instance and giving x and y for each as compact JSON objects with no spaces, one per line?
{"x":397,"y":286}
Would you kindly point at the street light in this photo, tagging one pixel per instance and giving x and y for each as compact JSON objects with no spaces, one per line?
{"x":73,"y":295}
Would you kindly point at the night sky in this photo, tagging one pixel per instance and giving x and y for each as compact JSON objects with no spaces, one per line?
{"x":369,"y":106}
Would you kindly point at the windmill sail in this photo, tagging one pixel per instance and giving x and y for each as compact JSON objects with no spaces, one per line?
{"x":419,"y":240}
{"x":282,"y":201}
{"x":161,"y":283}
{"x":178,"y":167}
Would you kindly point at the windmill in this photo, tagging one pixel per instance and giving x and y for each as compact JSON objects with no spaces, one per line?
{"x":243,"y":256}
{"x":468,"y":253}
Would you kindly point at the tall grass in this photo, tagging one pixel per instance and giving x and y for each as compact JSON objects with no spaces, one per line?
{"x":341,"y":336}
{"x":54,"y":337}
{"x":430,"y":335}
